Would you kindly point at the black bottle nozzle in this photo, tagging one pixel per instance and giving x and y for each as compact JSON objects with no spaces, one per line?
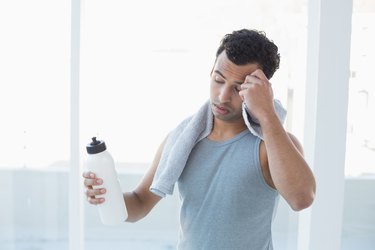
{"x":96,"y":146}
{"x":94,"y":141}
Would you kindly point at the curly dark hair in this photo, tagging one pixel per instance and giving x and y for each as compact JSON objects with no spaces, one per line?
{"x":251,"y":46}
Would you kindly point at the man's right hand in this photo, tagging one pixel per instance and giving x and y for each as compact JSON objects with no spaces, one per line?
{"x":90,"y":182}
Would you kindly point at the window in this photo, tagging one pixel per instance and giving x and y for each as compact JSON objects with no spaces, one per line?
{"x":145,"y":66}
{"x":34,"y":130}
{"x":35,"y":83}
{"x":146,"y":69}
{"x":360,"y":146}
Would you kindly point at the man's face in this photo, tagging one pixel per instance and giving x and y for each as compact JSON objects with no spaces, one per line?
{"x":226,"y":79}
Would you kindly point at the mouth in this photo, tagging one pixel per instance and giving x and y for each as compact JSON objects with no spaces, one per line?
{"x":220,"y":109}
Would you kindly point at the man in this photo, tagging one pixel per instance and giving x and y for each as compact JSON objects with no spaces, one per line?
{"x":232,"y":178}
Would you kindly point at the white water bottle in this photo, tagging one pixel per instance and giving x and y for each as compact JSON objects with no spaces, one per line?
{"x":99,"y":161}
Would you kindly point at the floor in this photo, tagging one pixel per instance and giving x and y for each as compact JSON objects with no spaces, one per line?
{"x":360,"y":242}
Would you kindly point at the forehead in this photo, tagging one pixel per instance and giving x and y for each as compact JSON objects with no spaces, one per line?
{"x":231,"y":70}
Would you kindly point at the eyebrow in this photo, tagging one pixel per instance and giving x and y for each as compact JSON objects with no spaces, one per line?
{"x":219,"y":73}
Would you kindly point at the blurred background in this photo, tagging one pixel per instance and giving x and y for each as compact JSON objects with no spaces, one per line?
{"x":143,"y":67}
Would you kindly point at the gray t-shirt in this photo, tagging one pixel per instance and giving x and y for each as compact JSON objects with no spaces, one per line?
{"x":226,"y":203}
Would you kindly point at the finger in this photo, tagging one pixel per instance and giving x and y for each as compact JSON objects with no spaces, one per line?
{"x":251,"y":79}
{"x":241,"y":93}
{"x":244,"y":94}
{"x":245,"y":86}
{"x":92,"y":182}
{"x":89,"y":182}
{"x":95,"y":201}
{"x":88,"y":174}
{"x":260,"y":74}
{"x":93,"y":192}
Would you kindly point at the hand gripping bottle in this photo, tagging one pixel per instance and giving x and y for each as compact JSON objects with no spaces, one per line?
{"x":113,"y":210}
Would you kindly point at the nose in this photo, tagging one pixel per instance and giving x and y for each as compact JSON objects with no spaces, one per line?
{"x":225,"y":94}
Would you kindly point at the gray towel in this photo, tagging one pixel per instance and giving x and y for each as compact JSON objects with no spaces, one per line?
{"x":185,"y":136}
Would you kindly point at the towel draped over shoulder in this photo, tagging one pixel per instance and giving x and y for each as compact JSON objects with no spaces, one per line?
{"x":185,"y":136}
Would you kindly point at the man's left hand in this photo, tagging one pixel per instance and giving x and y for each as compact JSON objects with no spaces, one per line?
{"x":256,"y":92}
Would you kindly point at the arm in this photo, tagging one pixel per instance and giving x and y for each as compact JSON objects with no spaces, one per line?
{"x":288,"y":171}
{"x":139,"y":202}
{"x":284,"y":163}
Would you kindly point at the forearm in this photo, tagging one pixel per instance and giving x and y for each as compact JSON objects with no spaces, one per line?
{"x":137,"y":206}
{"x":134,"y":207}
{"x":289,"y":171}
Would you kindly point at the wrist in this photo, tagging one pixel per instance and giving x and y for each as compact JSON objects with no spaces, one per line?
{"x":269,"y":120}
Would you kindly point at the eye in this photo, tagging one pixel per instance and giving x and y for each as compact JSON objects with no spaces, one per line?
{"x":218,"y":79}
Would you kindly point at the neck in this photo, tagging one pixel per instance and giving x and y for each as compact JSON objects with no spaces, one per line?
{"x":224,"y":130}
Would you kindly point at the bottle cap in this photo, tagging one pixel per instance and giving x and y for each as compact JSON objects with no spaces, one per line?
{"x":95,"y":146}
